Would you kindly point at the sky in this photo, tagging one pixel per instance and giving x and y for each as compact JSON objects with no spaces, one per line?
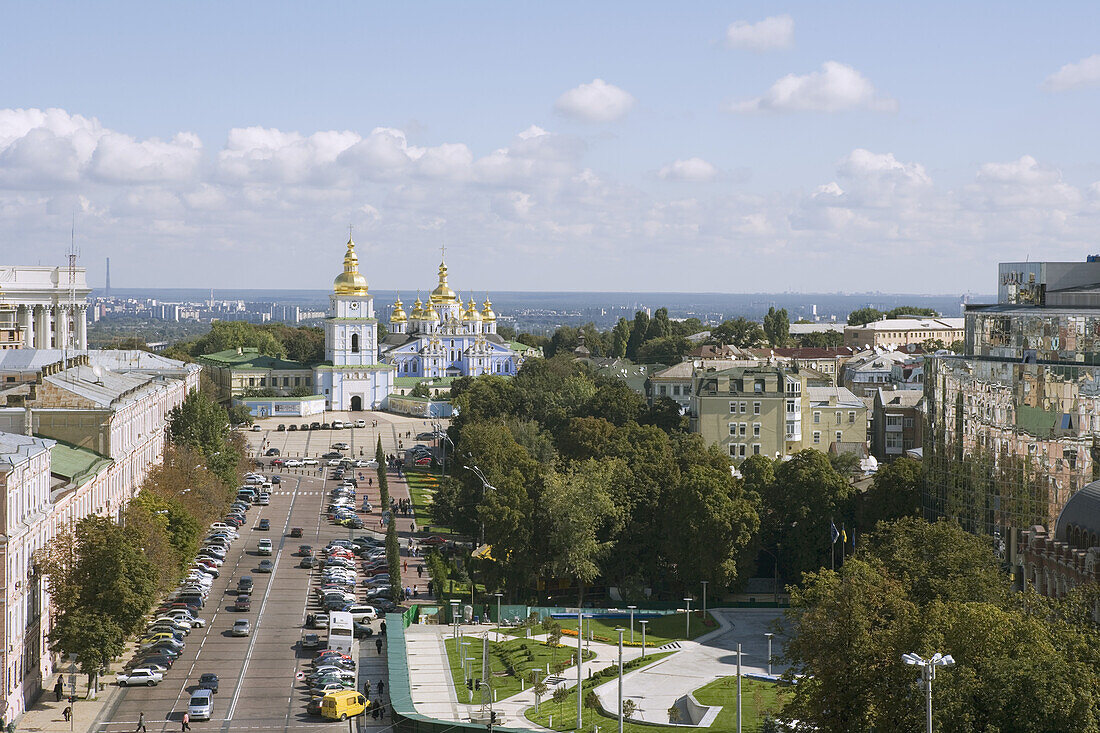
{"x":611,"y":146}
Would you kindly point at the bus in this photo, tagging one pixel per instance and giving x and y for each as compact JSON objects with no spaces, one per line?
{"x":341,"y":633}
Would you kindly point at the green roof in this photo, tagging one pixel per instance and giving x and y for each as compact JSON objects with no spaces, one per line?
{"x":413,"y":381}
{"x":249,"y":358}
{"x":261,"y":400}
{"x":519,"y":346}
{"x":78,"y":465}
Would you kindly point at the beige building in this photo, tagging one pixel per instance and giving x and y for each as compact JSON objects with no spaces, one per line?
{"x":895,"y":332}
{"x":749,"y":410}
{"x":827,"y":360}
{"x":239,"y":372}
{"x":832,"y":419}
{"x":675,"y":381}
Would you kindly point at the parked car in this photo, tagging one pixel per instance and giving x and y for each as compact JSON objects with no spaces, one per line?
{"x":241,"y":627}
{"x":139,"y":676}
{"x":315,"y":426}
{"x":293,"y":463}
{"x":296,"y":532}
{"x":271,"y":452}
{"x":340,"y":446}
{"x":264,"y":525}
{"x":311,"y":641}
{"x":257,"y":429}
{"x":263,"y":500}
{"x":209,"y":681}
{"x":337,"y":424}
{"x":333,"y":454}
{"x":291,"y":428}
{"x":281,"y":428}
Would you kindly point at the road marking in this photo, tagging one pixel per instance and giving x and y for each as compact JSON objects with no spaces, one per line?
{"x":259,"y":619}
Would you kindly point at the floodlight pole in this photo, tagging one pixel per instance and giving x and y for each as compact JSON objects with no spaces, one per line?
{"x":631,"y":623}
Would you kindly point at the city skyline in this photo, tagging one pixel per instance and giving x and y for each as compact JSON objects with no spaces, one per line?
{"x":756,"y":148}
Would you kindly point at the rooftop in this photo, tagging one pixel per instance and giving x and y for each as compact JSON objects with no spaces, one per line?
{"x":100,"y":386}
{"x":117,"y":360}
{"x":249,"y":358}
{"x":15,"y":448}
{"x":901,"y":397}
{"x":77,"y":465}
{"x":840,"y":396}
{"x":914,"y":324}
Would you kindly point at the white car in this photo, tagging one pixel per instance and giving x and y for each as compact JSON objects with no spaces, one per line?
{"x":293,"y":463}
{"x":310,"y":462}
{"x":241,"y":627}
{"x":139,"y":676}
{"x":223,"y":527}
{"x":333,"y":462}
{"x":360,"y":614}
{"x":360,"y":423}
{"x":366,"y":464}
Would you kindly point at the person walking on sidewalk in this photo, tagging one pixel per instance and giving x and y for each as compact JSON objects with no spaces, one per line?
{"x":141,"y":723}
{"x":185,"y":721}
{"x":381,"y":688}
{"x":378,"y":645}
{"x":58,"y":689}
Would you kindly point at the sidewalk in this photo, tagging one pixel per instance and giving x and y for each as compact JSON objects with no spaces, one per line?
{"x":46,"y":714}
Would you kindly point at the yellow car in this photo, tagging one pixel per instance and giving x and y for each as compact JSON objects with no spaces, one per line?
{"x":343,"y":704}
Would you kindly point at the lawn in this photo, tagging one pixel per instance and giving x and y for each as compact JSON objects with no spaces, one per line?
{"x":508,"y":661}
{"x":659,"y":631}
{"x":422,"y":486}
{"x":757,"y":699}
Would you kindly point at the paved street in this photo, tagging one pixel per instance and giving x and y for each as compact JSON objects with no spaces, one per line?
{"x":257,"y":673}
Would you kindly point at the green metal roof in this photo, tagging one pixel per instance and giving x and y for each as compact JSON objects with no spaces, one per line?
{"x":249,"y":358}
{"x":78,"y":465}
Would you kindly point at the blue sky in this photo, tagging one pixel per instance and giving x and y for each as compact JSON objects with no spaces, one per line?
{"x":611,"y":146}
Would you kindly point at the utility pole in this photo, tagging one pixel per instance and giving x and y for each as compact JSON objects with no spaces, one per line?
{"x":580,"y":677}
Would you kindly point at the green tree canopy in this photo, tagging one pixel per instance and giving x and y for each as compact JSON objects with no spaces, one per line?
{"x":860,"y":316}
{"x":777,"y":326}
{"x":739,"y":332}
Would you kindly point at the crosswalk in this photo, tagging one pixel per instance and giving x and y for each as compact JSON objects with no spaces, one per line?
{"x":669,"y":646}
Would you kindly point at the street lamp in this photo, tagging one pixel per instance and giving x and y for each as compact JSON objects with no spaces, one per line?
{"x":485,"y":485}
{"x":462,"y":651}
{"x":769,"y":636}
{"x":454,"y":618}
{"x":620,"y":630}
{"x":687,"y":619}
{"x":441,"y":435}
{"x":631,"y":623}
{"x":498,"y":595}
{"x":928,"y":673}
{"x":643,"y":623}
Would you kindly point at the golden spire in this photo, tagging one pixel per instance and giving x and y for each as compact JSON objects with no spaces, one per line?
{"x":487,"y":312}
{"x":398,"y":315}
{"x":350,"y":282}
{"x":442,"y":294}
{"x":418,"y":308}
{"x":471,"y":312}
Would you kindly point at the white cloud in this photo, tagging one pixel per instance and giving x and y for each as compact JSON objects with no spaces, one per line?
{"x":690,"y":169}
{"x":1084,"y":73}
{"x":837,"y":87}
{"x":765,"y":35}
{"x":595,"y":102}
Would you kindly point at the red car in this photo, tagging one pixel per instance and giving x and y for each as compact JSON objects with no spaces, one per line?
{"x":277,"y":461}
{"x":433,"y":540}
{"x":425,"y":461}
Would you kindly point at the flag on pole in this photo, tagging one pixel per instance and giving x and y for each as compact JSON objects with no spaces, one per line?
{"x":835,"y":533}
{"x":843,"y":536}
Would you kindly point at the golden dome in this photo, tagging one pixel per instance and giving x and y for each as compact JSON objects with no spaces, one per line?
{"x":471,"y":312}
{"x":487,"y":312}
{"x":350,"y":282}
{"x":429,"y":312}
{"x":398,"y":315}
{"x":442,"y":294}
{"x":418,"y":309}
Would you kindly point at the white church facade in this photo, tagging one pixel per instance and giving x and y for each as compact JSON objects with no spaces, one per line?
{"x":45,"y":307}
{"x":443,"y":338}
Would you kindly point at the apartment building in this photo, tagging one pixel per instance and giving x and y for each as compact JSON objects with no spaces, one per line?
{"x":898,"y":423}
{"x":749,"y":410}
{"x":675,"y":382}
{"x":894,"y":332}
{"x":832,"y":419}
{"x":827,"y":360}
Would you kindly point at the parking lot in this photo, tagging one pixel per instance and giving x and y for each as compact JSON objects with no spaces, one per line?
{"x":257,"y":687}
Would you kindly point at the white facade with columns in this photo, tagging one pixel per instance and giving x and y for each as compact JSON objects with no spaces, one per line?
{"x":50,"y":311}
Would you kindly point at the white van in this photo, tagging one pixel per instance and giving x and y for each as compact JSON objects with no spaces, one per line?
{"x":360,"y":423}
{"x":201,"y":706}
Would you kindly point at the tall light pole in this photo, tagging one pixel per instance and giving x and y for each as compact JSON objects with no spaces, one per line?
{"x":705,"y":600}
{"x":454,"y":618}
{"x":580,"y":663}
{"x":687,"y":619}
{"x":928,"y":673}
{"x":738,"y":687}
{"x":620,"y":630}
{"x":643,"y":623}
{"x":485,"y":485}
{"x":631,"y":623}
{"x":769,"y":636}
{"x":498,"y":595}
{"x":441,"y":436}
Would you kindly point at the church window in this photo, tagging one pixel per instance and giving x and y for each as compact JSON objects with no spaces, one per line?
{"x":355,"y":343}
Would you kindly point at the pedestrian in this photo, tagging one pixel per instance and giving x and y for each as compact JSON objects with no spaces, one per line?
{"x":374,"y":712}
{"x":378,"y":644}
{"x":381,"y":688}
{"x":370,"y":482}
{"x":58,"y":688}
{"x":416,"y":592}
{"x":141,"y":722}
{"x":420,"y":571}
{"x":383,"y":628}
{"x":185,"y":722}
{"x":405,"y":567}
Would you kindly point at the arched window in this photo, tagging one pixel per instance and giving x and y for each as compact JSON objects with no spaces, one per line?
{"x":355,"y":343}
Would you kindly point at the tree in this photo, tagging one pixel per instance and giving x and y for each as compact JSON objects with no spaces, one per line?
{"x":538,"y":686}
{"x":560,"y":696}
{"x":663,"y":350}
{"x":894,"y":493}
{"x":240,"y":415}
{"x":620,"y":336}
{"x":777,"y":326}
{"x":659,"y":327}
{"x":740,"y":332}
{"x":576,"y":506}
{"x":864,"y":315}
{"x":820,"y":339}
{"x":421,"y":390}
{"x":637,"y":333}
{"x":615,"y":401}
{"x":226,"y":335}
{"x":908,"y":310}
{"x":799,"y":506}
{"x":710,"y":523}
